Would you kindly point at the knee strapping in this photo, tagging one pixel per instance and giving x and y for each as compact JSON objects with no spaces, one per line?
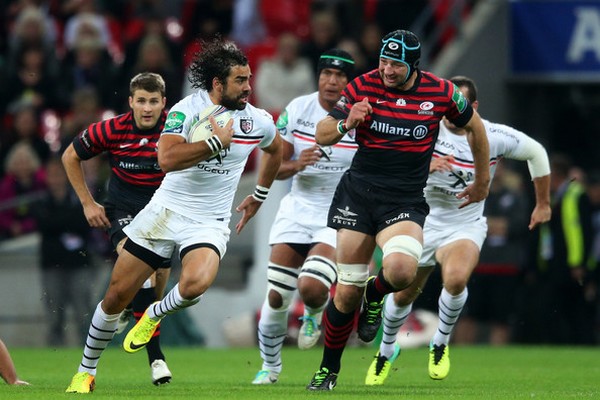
{"x":353,"y":274}
{"x":320,"y":268}
{"x":283,"y":280}
{"x":403,"y":244}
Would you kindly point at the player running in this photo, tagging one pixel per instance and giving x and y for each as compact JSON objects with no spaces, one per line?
{"x":453,"y":236}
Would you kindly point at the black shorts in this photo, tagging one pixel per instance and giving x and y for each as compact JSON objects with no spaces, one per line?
{"x":119,"y":218}
{"x":367,"y":209}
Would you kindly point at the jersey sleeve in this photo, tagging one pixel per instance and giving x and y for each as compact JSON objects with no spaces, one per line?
{"x":342,"y":107}
{"x":179,"y":121}
{"x":516,"y":145}
{"x":91,"y":141}
{"x":460,"y":111}
{"x":284,"y":124}
{"x":268,"y":125}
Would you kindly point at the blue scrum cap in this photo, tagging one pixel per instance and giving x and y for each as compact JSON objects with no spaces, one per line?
{"x":402,"y":46}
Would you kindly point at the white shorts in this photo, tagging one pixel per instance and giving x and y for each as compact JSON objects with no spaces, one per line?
{"x":434,"y":238}
{"x":297,"y":223}
{"x":160,"y":230}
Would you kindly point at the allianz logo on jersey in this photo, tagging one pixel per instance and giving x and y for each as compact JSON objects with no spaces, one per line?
{"x":418,"y":132}
{"x":138,"y":166}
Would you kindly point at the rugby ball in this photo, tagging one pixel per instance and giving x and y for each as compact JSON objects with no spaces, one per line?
{"x":202,"y":129}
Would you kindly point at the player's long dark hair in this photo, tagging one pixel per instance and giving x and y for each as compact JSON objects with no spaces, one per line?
{"x":214,"y":60}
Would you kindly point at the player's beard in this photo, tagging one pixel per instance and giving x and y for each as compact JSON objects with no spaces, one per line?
{"x":234,"y":103}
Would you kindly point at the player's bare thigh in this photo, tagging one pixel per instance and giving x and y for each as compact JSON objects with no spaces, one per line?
{"x":458,"y":260}
{"x":199,"y":269}
{"x":128,"y":275}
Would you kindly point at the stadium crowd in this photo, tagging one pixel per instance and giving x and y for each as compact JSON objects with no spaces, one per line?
{"x":67,"y":64}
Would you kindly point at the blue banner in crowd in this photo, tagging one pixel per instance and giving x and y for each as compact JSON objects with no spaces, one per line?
{"x":556,"y":38}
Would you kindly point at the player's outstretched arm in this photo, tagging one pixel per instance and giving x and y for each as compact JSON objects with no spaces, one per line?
{"x":525,"y":148}
{"x":539,"y":169}
{"x":327,"y":132}
{"x":542,"y":212}
{"x":94,"y":212}
{"x":480,"y":148}
{"x":7,"y":367}
{"x":330,"y":130}
{"x":269,"y":165}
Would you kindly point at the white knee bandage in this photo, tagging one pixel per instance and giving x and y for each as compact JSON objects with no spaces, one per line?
{"x":353,"y":274}
{"x":320,"y":268}
{"x":283,"y":280}
{"x":403,"y":244}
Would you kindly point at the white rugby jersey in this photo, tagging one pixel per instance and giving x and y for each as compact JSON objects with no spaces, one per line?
{"x":442,"y":187}
{"x":208,"y":188}
{"x":315,"y":185}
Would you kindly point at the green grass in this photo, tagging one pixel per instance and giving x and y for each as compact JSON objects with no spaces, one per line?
{"x":477,"y":373}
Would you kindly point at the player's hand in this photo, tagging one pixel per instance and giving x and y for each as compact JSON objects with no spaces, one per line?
{"x":224,"y":133}
{"x":441,"y":164}
{"x":473,"y":193}
{"x":96,"y":216}
{"x":248,"y":207}
{"x":539,"y":215}
{"x":308,"y":157}
{"x":358,"y":113}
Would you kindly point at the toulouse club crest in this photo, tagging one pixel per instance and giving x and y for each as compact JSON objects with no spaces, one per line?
{"x":246,"y":124}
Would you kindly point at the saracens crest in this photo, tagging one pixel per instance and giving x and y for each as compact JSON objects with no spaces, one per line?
{"x":246,"y":124}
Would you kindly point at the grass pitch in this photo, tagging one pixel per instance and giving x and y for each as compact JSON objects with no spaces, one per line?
{"x":477,"y":373}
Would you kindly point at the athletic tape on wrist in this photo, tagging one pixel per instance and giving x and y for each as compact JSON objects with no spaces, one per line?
{"x":214,"y":143}
{"x":341,"y":127}
{"x":260,"y":193}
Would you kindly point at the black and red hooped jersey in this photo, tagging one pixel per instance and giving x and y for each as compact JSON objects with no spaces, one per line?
{"x":132,"y":154}
{"x":396,"y":141}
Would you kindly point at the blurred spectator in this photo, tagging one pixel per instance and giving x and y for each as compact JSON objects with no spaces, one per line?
{"x":593,"y":190}
{"x":150,"y":23}
{"x":248,"y":27}
{"x":31,"y":81}
{"x":207,"y":19}
{"x":284,"y":76}
{"x":370,"y":42}
{"x":353,"y":48}
{"x":154,"y":56}
{"x":24,"y":182}
{"x":562,"y":290}
{"x":500,"y":261}
{"x":24,"y":128}
{"x":33,"y":27}
{"x":86,"y":25}
{"x":324,"y":35}
{"x":89,"y":65}
{"x":65,"y":260}
{"x":85,"y":109}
